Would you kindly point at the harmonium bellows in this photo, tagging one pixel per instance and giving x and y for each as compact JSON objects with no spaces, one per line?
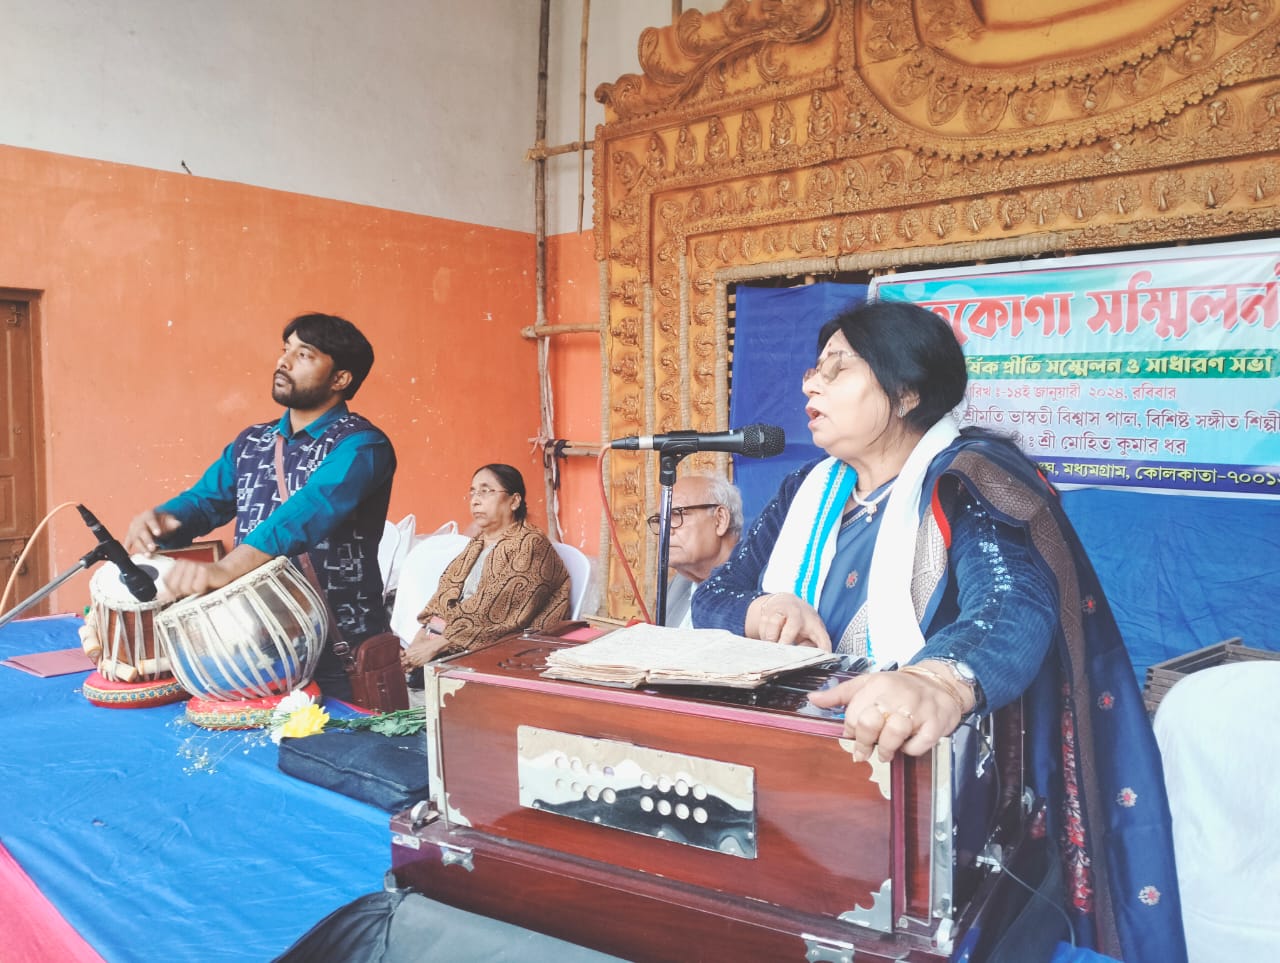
{"x":686,"y":823}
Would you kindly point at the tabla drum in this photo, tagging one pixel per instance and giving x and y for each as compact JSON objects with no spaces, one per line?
{"x":119,"y":630}
{"x":255,"y":638}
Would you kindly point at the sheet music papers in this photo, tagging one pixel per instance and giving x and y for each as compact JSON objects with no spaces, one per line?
{"x":658,"y":655}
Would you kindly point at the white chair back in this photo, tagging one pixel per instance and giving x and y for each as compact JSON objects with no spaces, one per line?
{"x":1217,"y":730}
{"x":389,"y":556}
{"x":419,"y":577}
{"x":579,"y":567}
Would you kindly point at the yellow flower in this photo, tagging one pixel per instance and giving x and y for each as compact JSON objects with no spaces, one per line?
{"x":306,"y":721}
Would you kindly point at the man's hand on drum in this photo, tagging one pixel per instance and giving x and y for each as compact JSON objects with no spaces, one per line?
{"x":787,"y":619}
{"x":194,"y":578}
{"x":907,"y":710}
{"x":186,"y":577}
{"x":426,"y":645}
{"x":146,"y":528}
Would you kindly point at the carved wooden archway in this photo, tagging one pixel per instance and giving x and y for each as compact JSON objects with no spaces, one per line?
{"x":816,"y":136}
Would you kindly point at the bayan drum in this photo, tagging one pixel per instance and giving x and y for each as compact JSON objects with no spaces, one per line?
{"x":241,"y":648}
{"x":119,"y":632}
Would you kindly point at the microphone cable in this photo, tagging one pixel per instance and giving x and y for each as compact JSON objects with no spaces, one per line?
{"x":617,"y":543}
{"x":26,"y":549}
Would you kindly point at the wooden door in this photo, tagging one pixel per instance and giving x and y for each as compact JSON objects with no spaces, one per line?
{"x":21,"y":504}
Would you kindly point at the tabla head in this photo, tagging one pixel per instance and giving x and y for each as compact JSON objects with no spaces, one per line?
{"x":106,"y":588}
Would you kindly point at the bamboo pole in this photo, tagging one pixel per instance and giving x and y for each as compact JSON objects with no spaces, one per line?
{"x":532,"y":331}
{"x":546,"y":427}
{"x":582,"y":109}
{"x":582,"y":448}
{"x":542,"y":151}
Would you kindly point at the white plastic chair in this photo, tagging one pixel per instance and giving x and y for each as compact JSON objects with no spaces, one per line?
{"x":419,"y":577}
{"x":579,"y":567}
{"x":1217,"y":731}
{"x":388,"y":555}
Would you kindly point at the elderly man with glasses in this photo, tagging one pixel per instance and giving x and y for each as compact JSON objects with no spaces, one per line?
{"x":706,"y":522}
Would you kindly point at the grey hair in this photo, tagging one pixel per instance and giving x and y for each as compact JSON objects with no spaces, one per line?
{"x":724,"y":492}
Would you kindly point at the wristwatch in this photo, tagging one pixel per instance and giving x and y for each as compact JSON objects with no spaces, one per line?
{"x":963,"y":672}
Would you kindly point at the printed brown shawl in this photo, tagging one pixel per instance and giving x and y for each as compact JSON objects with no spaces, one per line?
{"x":523,"y":585}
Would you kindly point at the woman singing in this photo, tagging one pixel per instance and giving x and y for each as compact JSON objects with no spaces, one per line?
{"x":945,"y":554}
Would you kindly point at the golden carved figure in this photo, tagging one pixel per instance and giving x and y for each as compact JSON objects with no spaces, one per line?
{"x":782,"y":128}
{"x":750,"y":139}
{"x":717,"y":142}
{"x":686,"y":149}
{"x":656,"y":155}
{"x":822,"y":119}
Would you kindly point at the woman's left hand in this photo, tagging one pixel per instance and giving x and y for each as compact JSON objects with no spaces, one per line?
{"x":426,"y":645}
{"x":906,"y":711}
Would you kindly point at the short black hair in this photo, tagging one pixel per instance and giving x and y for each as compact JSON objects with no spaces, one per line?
{"x":513,"y":482}
{"x":909,"y":349}
{"x":340,"y":340}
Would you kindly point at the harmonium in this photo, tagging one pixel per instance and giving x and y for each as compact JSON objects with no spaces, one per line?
{"x":705,"y":823}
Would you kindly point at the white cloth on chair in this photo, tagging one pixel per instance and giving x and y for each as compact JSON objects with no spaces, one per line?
{"x":419,"y":577}
{"x":579,"y":567}
{"x":398,"y":540}
{"x":1219,"y":736}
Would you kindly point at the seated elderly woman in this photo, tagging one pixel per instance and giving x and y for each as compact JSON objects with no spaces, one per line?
{"x":945,"y":555}
{"x":507,"y":579}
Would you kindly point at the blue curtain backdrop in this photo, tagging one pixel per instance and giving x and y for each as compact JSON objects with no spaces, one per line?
{"x":1181,"y":571}
{"x":775,"y":341}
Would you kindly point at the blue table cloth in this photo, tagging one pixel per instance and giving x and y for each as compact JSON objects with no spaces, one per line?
{"x":160,"y":840}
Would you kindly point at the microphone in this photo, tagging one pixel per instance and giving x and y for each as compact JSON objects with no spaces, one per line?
{"x":754,"y":441}
{"x":140,"y":585}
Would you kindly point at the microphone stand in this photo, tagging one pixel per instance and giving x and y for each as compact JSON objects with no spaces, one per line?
{"x":98,"y":554}
{"x":667,"y":462}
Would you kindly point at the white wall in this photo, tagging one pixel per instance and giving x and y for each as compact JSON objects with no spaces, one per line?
{"x":612,"y":38}
{"x":418,"y":105}
{"x":425,"y":106}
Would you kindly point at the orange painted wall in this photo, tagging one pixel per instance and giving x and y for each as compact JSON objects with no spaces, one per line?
{"x":573,"y":297}
{"x":162,"y":299}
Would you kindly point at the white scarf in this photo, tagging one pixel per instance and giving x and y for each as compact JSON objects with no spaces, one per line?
{"x":806,"y":544}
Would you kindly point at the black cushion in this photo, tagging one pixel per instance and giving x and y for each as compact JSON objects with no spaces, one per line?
{"x":389,"y":772}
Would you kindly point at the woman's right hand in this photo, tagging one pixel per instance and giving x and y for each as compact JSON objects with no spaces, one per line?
{"x":787,"y":619}
{"x":426,"y":645}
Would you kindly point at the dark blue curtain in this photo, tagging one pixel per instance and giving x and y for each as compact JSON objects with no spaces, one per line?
{"x":775,"y":341}
{"x":1183,"y":571}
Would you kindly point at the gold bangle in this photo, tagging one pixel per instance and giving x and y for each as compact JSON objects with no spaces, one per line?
{"x":927,"y":673}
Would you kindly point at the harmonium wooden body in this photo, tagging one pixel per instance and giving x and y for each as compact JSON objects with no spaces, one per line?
{"x":702,"y":823}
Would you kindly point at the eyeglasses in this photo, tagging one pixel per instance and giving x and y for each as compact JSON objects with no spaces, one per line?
{"x":474,"y":493}
{"x":829,"y":367}
{"x":677,"y":517}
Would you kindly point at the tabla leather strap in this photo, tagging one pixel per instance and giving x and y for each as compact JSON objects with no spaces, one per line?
{"x":340,"y":646}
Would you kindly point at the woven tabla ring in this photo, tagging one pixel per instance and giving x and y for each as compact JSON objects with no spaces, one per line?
{"x":239,"y":713}
{"x":132,"y":695}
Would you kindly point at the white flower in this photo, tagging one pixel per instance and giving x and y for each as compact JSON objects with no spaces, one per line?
{"x":286,"y":707}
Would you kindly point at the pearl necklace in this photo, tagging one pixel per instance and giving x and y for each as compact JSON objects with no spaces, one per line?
{"x":871,"y":504}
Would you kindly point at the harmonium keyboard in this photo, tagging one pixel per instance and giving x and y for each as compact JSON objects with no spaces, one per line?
{"x":703,"y":823}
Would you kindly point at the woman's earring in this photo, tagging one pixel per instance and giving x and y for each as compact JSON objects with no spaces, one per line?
{"x":902,"y":409}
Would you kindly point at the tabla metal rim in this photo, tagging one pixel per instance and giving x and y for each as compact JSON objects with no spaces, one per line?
{"x":110,"y":694}
{"x":239,"y":713}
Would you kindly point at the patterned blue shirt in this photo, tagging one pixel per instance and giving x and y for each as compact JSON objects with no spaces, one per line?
{"x":358,"y":465}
